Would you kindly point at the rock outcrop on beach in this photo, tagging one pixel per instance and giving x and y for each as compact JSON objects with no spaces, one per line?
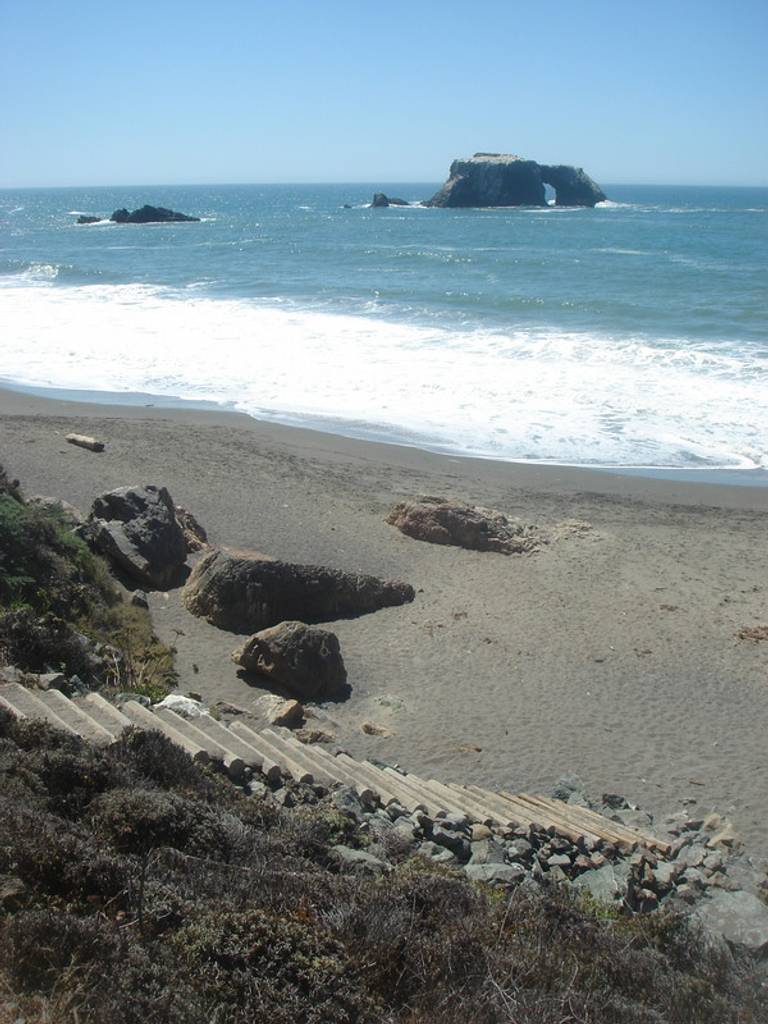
{"x":379,"y":199}
{"x":500,"y":179}
{"x":246,"y":594}
{"x":149,"y":215}
{"x":136,"y":529}
{"x":440,"y":521}
{"x":305,"y":660}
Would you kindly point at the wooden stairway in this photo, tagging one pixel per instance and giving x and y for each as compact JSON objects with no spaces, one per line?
{"x":276,"y":752}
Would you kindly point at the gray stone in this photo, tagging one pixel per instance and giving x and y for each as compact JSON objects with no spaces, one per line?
{"x":346,"y":800}
{"x":139,"y":599}
{"x":359,"y":861}
{"x":566,"y":786}
{"x":739,"y":917}
{"x":436,"y":853}
{"x":487,"y":851}
{"x":559,"y":860}
{"x":602,"y":884}
{"x":519,"y":849}
{"x":452,"y":841}
{"x":692,"y":856}
{"x":666,"y":874}
{"x":136,"y":529}
{"x":632,"y":818}
{"x":52,"y":681}
{"x":457,"y":822}
{"x":495,"y":874}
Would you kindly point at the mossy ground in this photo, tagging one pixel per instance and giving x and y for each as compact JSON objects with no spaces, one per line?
{"x":54,"y":591}
{"x":154,"y":891}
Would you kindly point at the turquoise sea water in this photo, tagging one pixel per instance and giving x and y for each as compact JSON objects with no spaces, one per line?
{"x":630,"y":335}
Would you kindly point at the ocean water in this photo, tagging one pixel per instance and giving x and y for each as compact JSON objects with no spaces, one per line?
{"x":631,"y":335}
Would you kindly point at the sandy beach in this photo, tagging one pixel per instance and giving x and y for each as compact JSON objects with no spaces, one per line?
{"x":611,"y":653}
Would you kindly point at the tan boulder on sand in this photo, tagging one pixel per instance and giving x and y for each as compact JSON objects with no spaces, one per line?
{"x":305,"y":660}
{"x":244,"y":594}
{"x":440,"y":521}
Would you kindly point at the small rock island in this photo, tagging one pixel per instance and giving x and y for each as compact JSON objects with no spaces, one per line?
{"x":150,"y":215}
{"x":144,"y":215}
{"x":501,"y":179}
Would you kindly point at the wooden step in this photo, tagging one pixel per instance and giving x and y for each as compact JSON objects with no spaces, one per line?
{"x":24,"y":704}
{"x":340,"y":773}
{"x":230,"y":740}
{"x":272,"y":754}
{"x":84,"y":725}
{"x":106,"y":714}
{"x":234,"y":765}
{"x":144,"y":719}
{"x":301,"y":756}
{"x":373,"y":777}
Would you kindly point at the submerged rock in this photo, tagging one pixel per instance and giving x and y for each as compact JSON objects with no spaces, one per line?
{"x":246,"y":594}
{"x":149,"y":215}
{"x":306,"y":660}
{"x":136,"y":529}
{"x":86,"y":218}
{"x":501,"y":179}
{"x":440,"y":521}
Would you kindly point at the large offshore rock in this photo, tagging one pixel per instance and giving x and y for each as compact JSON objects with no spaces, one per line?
{"x":136,"y":529}
{"x":247,"y":594}
{"x":306,"y":660}
{"x":440,"y":521}
{"x":501,"y":179}
{"x":150,"y":215}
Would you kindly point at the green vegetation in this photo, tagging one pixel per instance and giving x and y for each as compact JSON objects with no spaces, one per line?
{"x":59,"y":607}
{"x":137,"y":888}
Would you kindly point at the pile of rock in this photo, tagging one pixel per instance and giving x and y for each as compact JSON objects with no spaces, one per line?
{"x":707,"y":874}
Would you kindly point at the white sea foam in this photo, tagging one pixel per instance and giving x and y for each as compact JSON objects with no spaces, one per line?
{"x":538,"y":395}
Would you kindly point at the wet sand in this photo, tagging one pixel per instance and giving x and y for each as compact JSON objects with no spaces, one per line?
{"x":612,"y":654}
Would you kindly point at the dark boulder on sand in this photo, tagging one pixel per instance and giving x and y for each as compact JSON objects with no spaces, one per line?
{"x":248,"y":593}
{"x":305,"y":660}
{"x":136,"y":529}
{"x":379,"y":200}
{"x":440,"y":521}
{"x":150,"y":215}
{"x":500,"y":179}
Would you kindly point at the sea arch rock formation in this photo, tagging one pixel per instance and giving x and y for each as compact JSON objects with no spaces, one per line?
{"x":501,"y":179}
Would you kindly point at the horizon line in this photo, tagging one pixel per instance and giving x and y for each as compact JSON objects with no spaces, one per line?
{"x":367,"y":183}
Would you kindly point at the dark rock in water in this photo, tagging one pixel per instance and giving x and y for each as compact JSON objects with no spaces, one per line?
{"x":306,"y":660}
{"x":379,"y":199}
{"x":136,"y":529}
{"x":150,"y":215}
{"x":246,"y":594}
{"x":500,"y":179}
{"x":440,"y":521}
{"x":85,"y":218}
{"x":347,"y":206}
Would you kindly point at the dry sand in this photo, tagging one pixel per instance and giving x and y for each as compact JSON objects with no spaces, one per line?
{"x":613,"y":655}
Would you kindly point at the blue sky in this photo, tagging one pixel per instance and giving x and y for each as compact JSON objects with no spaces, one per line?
{"x":332,"y":90}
